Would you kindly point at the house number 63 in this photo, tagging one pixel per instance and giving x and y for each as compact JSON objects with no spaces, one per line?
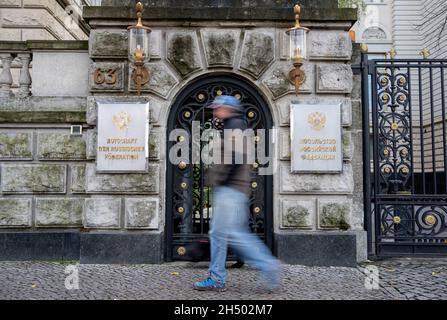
{"x":107,"y":76}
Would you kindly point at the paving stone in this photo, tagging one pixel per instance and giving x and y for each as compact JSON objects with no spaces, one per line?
{"x":173,"y":281}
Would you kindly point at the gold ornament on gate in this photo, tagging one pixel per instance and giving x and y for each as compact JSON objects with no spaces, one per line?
{"x":430,"y":220}
{"x":394,"y":126}
{"x":317,"y":120}
{"x":181,"y":251}
{"x":397,"y":220}
{"x":182,"y":165}
{"x":121,"y":120}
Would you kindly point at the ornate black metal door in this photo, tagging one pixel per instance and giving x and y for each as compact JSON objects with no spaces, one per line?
{"x":189,"y":202}
{"x":405,"y":171}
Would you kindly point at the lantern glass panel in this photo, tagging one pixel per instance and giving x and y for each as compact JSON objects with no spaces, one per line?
{"x":298,"y":43}
{"x":139,"y":39}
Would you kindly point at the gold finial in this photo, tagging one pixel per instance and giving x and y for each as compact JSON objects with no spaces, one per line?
{"x":425,"y":53}
{"x":393,"y":53}
{"x":297,"y":10}
{"x":364,"y":47}
{"x":140,"y":9}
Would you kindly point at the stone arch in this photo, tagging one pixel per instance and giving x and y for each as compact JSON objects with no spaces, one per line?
{"x":375,"y":33}
{"x":261,"y":89}
{"x":262,"y":198}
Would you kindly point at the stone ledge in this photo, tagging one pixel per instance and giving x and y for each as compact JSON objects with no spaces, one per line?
{"x":121,"y":248}
{"x":88,"y":247}
{"x":57,"y":45}
{"x":13,"y":46}
{"x":222,"y":3}
{"x":319,"y":248}
{"x":225,"y":14}
{"x":43,"y":110}
{"x":31,"y":45}
{"x":26,"y":246}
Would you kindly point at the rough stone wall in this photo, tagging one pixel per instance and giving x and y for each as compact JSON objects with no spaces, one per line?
{"x":39,"y":160}
{"x":302,"y":201}
{"x":49,"y":179}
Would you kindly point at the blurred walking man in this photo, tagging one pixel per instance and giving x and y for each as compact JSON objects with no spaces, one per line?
{"x":229,"y":223}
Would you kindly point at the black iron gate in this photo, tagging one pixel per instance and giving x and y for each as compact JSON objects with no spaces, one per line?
{"x":405,"y":156}
{"x":188,"y":196}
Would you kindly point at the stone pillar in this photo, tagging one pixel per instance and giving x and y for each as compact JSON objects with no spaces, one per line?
{"x":6,"y":76}
{"x":25,"y":76}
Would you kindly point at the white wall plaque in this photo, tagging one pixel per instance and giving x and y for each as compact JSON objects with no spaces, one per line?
{"x":123,"y":137}
{"x":316,"y":138}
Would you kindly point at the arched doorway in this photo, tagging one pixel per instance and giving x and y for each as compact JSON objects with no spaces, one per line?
{"x":188,"y":197}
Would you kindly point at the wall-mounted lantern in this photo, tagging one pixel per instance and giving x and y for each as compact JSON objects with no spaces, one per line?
{"x":298,"y":50}
{"x":139,"y":54}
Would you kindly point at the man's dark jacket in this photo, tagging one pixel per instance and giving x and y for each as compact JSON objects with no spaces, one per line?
{"x":229,"y":173}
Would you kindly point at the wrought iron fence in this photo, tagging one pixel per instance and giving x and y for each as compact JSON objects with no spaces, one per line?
{"x":404,"y":121}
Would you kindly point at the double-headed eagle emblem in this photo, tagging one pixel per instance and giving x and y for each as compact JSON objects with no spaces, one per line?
{"x":121,"y":120}
{"x":317,"y":120}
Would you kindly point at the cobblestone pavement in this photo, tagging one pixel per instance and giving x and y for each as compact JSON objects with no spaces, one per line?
{"x":420,"y":279}
{"x":399,"y":279}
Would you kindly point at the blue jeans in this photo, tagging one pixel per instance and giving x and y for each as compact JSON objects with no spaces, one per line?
{"x":229,"y":227}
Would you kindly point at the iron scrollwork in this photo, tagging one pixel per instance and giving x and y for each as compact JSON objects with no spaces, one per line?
{"x":196,"y":198}
{"x":394,"y":131}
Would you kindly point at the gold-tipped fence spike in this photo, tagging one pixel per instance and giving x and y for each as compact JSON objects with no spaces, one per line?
{"x":425,"y":53}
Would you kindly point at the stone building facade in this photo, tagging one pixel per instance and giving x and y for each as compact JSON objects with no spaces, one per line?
{"x":408,"y":26}
{"x":34,"y":20}
{"x":53,"y":202}
{"x":22,"y":20}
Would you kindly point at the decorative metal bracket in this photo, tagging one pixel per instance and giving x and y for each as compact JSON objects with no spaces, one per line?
{"x":140,"y":75}
{"x":297,"y":76}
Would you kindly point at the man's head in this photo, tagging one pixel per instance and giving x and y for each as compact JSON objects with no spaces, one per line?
{"x":226,"y":107}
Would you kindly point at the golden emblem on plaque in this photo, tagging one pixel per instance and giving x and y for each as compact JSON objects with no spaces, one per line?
{"x":121,"y":120}
{"x":317,"y":120}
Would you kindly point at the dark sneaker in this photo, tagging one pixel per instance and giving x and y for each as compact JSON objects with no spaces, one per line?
{"x":210,"y":285}
{"x":237,"y":265}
